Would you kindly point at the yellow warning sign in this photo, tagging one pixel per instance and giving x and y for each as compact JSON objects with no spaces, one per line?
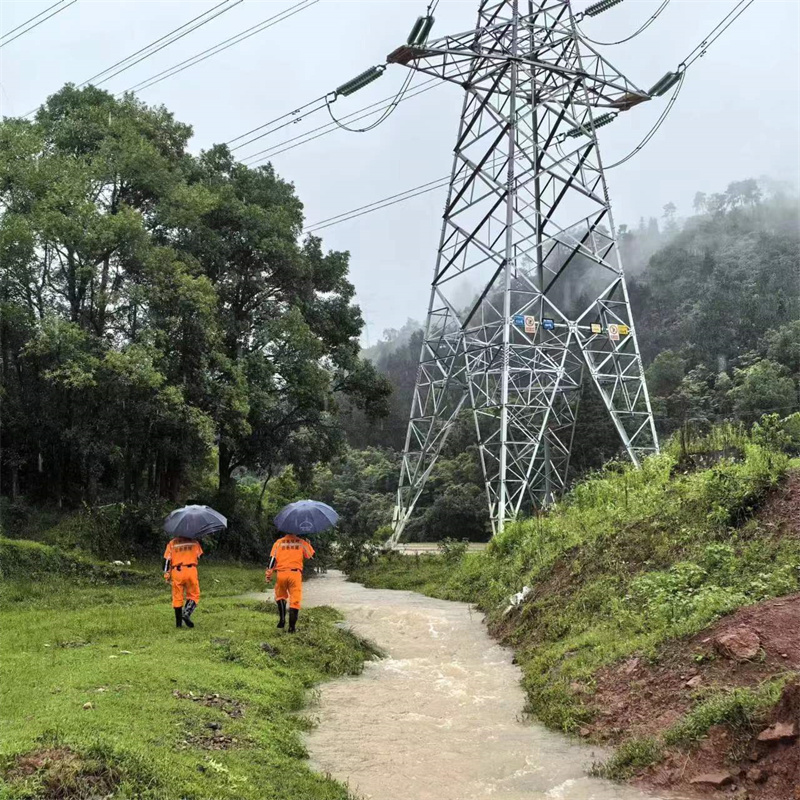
{"x":596,"y":327}
{"x":613,"y":333}
{"x":624,"y":330}
{"x":531,"y":324}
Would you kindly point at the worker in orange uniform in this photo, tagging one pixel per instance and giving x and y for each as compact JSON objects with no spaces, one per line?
{"x":180,"y":566}
{"x":286,"y":558}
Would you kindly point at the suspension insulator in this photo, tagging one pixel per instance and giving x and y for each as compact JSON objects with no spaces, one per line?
{"x":360,"y":81}
{"x":665,"y":84}
{"x":603,"y":119}
{"x":599,"y":8}
{"x":412,"y":37}
{"x":425,"y":31}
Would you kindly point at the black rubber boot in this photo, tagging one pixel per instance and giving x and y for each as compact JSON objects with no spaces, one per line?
{"x":187,"y":613}
{"x":178,"y":616}
{"x":281,"y":613}
{"x":293,"y":612}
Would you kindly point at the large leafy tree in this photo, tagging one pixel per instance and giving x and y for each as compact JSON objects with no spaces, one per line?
{"x":155,"y":303}
{"x":288,"y":325}
{"x":84,"y":391}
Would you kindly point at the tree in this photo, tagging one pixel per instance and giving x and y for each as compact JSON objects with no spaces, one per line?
{"x":700,"y":202}
{"x":78,"y":188}
{"x":154,"y":303}
{"x":783,"y":346}
{"x":762,"y":388}
{"x":665,"y":374}
{"x":717,"y":204}
{"x":289,"y":328}
{"x":670,"y":210}
{"x":745,"y":192}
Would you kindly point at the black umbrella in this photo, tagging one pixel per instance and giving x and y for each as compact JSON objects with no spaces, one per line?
{"x":306,"y":517}
{"x":194,"y":522}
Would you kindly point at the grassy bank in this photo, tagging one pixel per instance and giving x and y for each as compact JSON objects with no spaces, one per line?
{"x":101,"y":695}
{"x":628,"y":561}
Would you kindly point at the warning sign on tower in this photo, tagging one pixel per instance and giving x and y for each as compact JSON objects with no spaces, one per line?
{"x":531,"y":324}
{"x":613,"y":333}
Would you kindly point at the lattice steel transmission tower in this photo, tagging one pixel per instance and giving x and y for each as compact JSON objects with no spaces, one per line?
{"x":528,"y":295}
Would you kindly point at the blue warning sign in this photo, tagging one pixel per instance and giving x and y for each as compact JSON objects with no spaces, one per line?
{"x":548,"y":324}
{"x":519,"y":320}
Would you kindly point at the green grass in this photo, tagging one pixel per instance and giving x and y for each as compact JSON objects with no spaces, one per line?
{"x":424,"y":573}
{"x":629,"y":560}
{"x":68,"y":641}
{"x":629,"y":758}
{"x":740,"y":709}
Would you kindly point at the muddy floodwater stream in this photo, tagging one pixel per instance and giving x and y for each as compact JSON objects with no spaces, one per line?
{"x":441,"y":716}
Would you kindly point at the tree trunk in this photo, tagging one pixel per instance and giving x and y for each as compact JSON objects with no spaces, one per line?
{"x":227,"y":493}
{"x":263,"y":490}
{"x":14,"y":481}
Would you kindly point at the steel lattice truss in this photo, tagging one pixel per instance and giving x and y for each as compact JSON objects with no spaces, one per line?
{"x":527,"y":233}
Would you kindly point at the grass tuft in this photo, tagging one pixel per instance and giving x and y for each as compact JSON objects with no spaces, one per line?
{"x":630,"y":758}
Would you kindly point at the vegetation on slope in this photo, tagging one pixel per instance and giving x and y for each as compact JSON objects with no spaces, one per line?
{"x":629,"y":560}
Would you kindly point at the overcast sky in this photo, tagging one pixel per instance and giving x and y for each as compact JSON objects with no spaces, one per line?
{"x":738,"y":115}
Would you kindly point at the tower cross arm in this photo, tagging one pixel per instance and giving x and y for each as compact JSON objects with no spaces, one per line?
{"x":473,"y":59}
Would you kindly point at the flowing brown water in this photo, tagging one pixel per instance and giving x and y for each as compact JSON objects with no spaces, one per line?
{"x":440,"y":718}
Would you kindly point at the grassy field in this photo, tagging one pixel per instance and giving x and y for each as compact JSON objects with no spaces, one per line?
{"x":103,"y":696}
{"x":628,"y":561}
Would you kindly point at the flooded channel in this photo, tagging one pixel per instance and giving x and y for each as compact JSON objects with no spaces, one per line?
{"x":440,"y":718}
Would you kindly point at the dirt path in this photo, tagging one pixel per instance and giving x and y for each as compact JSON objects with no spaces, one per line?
{"x":440,"y":717}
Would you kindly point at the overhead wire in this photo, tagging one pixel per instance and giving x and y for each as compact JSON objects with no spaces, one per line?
{"x":294,"y":117}
{"x":653,"y":131}
{"x":398,"y":98}
{"x":385,"y":202}
{"x":31,"y":19}
{"x":41,"y":22}
{"x":702,"y":48}
{"x":330,"y":127}
{"x":697,"y":52}
{"x":170,"y":72}
{"x":443,"y":181}
{"x":151,"y":50}
{"x":656,"y":14}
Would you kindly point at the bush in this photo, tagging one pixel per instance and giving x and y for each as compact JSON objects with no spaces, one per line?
{"x":21,"y":559}
{"x":452,"y":550}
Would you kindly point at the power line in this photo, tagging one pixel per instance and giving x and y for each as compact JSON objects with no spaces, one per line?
{"x":330,"y":127}
{"x":290,"y":114}
{"x":656,"y":14}
{"x":152,"y":44}
{"x":29,"y":29}
{"x":398,"y":98}
{"x":653,"y":131}
{"x":699,"y":51}
{"x":28,"y":21}
{"x":702,"y":48}
{"x":378,"y":204}
{"x":424,"y":188}
{"x":224,"y":45}
{"x":149,"y":51}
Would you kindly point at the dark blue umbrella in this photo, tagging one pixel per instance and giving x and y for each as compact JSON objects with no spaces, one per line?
{"x":305,"y":517}
{"x":194,"y":522}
